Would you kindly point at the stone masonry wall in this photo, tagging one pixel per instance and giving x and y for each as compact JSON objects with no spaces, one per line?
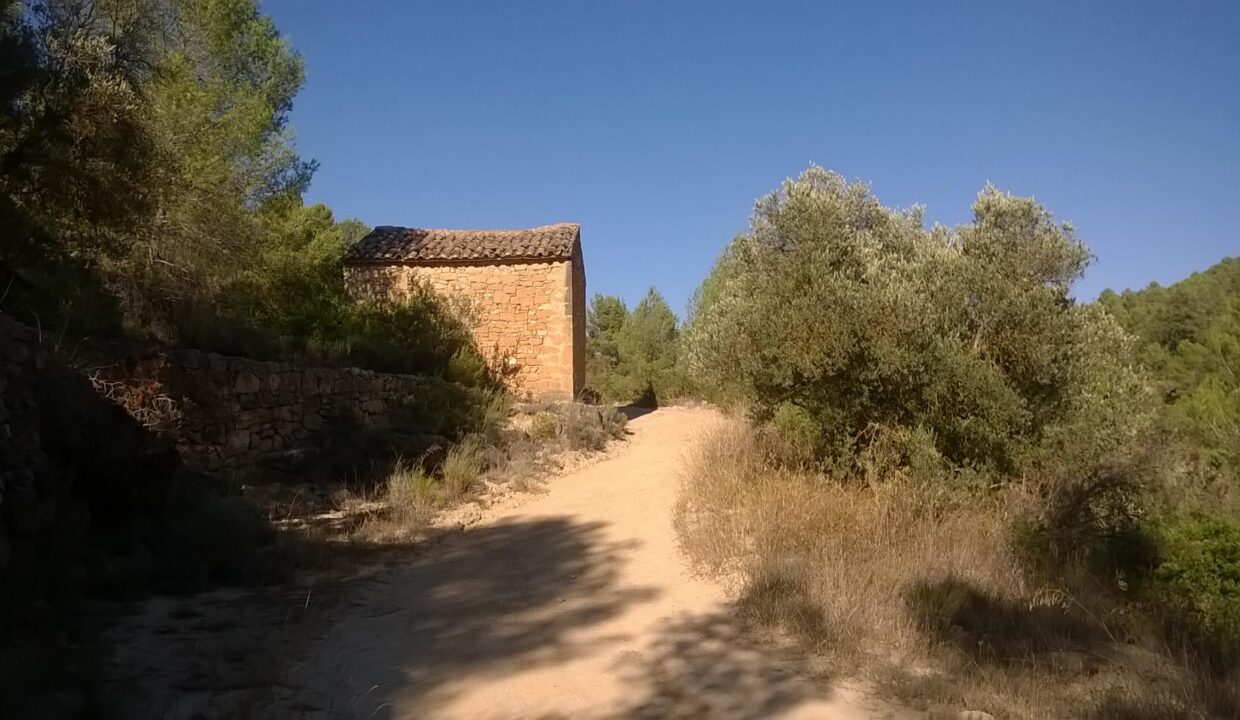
{"x":65,"y":455}
{"x":528,"y":315}
{"x":227,"y":412}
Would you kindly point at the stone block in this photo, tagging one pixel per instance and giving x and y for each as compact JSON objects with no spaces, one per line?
{"x":247,"y":382}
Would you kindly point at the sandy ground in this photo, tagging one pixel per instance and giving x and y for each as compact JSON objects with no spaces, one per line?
{"x":577,"y":604}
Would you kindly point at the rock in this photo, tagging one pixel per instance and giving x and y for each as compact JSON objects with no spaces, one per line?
{"x":289,"y":461}
{"x":247,"y":382}
{"x":238,"y":441}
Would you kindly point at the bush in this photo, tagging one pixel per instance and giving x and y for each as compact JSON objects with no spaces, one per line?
{"x":449,"y":409}
{"x":590,"y":427}
{"x":544,"y":426}
{"x":411,"y":494}
{"x":793,"y":436}
{"x":1198,"y":574}
{"x":578,"y":426}
{"x":827,"y":560}
{"x":462,"y":466}
{"x":878,"y":578}
{"x":874,"y":328}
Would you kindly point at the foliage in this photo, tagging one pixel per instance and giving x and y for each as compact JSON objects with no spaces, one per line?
{"x":604,"y":321}
{"x":793,"y":435}
{"x":870,"y":324}
{"x":577,"y":426}
{"x":635,"y":354}
{"x":149,"y":184}
{"x":449,"y":409}
{"x":1199,"y":571}
{"x":544,"y":426}
{"x":1190,"y":340}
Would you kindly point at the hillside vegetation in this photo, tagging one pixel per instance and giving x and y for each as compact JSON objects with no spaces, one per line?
{"x":150,"y":187}
{"x":1189,"y":338}
{"x":151,"y":193}
{"x":949,"y":463}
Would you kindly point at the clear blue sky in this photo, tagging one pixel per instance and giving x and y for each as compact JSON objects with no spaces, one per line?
{"x":657,"y":124}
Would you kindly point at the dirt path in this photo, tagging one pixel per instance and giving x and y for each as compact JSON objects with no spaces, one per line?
{"x":577,"y":604}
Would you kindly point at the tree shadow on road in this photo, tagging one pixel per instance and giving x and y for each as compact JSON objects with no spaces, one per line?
{"x":496,"y":600}
{"x":708,"y":666}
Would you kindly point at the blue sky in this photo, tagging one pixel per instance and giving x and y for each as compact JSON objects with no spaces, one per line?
{"x":657,"y":124}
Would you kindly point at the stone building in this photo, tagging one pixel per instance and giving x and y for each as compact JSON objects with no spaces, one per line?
{"x":525,"y":292}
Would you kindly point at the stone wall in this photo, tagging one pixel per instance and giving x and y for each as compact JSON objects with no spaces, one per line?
{"x":65,"y":454}
{"x":529,"y":316}
{"x":227,"y":412}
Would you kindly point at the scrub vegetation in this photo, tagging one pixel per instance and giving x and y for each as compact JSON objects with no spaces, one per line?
{"x":942,"y":471}
{"x":950,"y":473}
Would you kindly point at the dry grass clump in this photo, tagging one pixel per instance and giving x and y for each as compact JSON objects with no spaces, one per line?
{"x":410,"y":496}
{"x":462,"y":467}
{"x":919,"y":587}
{"x":575,"y":426}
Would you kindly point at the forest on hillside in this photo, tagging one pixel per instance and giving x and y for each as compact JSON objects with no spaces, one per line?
{"x":1189,"y":338}
{"x":150,"y":187}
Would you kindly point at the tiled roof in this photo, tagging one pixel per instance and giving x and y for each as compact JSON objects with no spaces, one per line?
{"x":387,"y":243}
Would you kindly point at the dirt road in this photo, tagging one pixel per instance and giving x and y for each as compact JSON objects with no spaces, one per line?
{"x":577,"y":604}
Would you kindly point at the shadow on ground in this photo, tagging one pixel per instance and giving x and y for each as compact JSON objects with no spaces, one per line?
{"x":497,"y":600}
{"x":705,"y":667}
{"x":708,"y":667}
{"x":1064,"y":659}
{"x":632,"y":412}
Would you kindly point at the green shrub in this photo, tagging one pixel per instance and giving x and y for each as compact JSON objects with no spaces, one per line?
{"x":495,"y":413}
{"x":446,"y":408}
{"x":876,"y":327}
{"x":467,"y":367}
{"x":544,"y":426}
{"x":793,"y":436}
{"x":1199,"y":572}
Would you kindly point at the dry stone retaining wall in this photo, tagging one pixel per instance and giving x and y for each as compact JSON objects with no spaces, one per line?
{"x":228,"y":412}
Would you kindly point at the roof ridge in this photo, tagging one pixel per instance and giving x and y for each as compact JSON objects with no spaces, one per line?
{"x":485,"y":230}
{"x":393,"y":243}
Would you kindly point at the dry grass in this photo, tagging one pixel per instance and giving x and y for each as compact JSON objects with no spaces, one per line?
{"x":462,"y":467}
{"x":843,"y":547}
{"x":408,"y":499}
{"x":406,"y":502}
{"x":920,"y":589}
{"x":575,"y":426}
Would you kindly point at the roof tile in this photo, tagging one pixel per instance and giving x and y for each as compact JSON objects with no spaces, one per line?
{"x":388,"y":243}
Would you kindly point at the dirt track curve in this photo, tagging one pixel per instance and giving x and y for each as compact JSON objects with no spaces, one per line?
{"x":577,"y":604}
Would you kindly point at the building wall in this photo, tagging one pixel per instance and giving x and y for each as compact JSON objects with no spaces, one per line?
{"x":578,"y":288}
{"x":529,"y":316}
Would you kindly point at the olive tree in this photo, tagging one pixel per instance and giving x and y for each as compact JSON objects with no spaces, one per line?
{"x":856,"y":324}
